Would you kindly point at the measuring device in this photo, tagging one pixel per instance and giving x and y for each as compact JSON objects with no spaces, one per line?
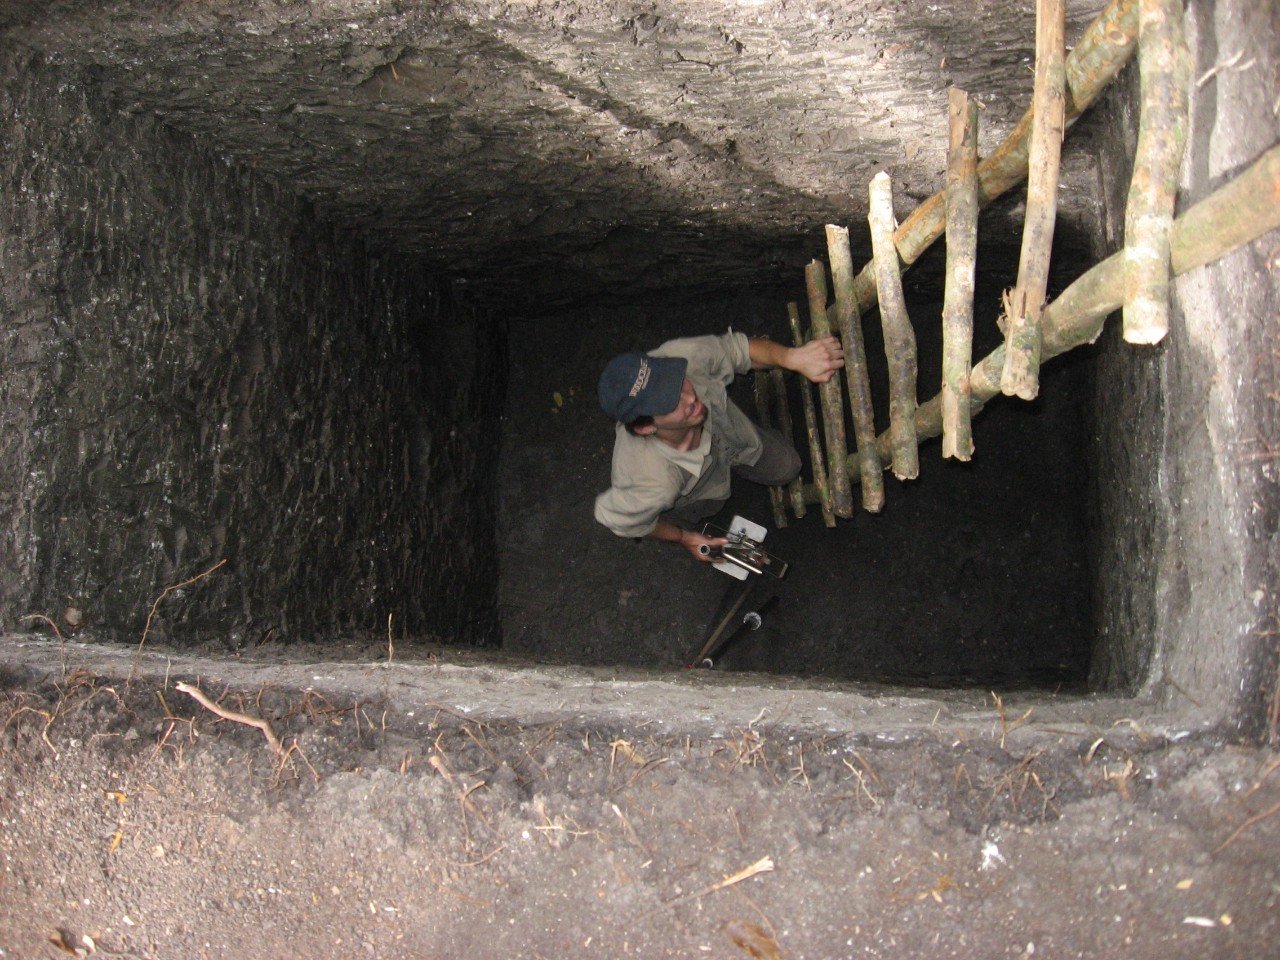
{"x":742,"y":555}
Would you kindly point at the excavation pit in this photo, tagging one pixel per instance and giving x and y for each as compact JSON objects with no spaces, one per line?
{"x":303,"y":307}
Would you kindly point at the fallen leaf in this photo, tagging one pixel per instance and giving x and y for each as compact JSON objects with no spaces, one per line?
{"x":752,"y":938}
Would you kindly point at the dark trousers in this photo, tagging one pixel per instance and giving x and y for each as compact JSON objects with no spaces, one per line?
{"x":779,"y":464}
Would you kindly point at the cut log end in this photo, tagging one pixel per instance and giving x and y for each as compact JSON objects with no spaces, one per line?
{"x":908,"y":471}
{"x":1146,"y":318}
{"x":1020,"y":376}
{"x":1144,"y":336}
{"x":950,"y":451}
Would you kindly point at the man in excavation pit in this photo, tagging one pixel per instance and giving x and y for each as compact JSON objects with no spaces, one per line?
{"x":678,"y":435}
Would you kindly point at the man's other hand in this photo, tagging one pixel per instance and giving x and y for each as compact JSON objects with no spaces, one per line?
{"x":694,"y":542}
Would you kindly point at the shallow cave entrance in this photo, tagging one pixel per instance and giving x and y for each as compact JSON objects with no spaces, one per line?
{"x":306,"y":311}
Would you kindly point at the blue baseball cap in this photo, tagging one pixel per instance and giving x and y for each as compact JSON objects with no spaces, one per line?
{"x":639,"y":385}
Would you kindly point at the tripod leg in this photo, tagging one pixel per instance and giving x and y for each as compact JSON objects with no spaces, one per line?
{"x":713,"y":641}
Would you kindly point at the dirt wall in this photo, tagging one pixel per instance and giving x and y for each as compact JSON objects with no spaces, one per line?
{"x":973,"y":575}
{"x":196,"y":368}
{"x":1188,"y":493}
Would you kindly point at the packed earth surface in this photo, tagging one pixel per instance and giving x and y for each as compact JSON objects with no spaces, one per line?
{"x":444,"y":806}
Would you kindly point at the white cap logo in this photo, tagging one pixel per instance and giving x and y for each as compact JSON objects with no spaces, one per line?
{"x":642,"y":378}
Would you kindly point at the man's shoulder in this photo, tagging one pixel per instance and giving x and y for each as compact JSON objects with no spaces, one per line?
{"x":686,"y":347}
{"x":641,"y":460}
{"x":632,"y":449}
{"x":715,"y":354}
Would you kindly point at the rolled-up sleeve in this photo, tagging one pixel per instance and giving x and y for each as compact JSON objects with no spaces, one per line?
{"x":631,"y":511}
{"x":719,"y":356}
{"x":643,"y":485}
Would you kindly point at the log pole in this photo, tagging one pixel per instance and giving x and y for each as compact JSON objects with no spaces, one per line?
{"x":899,"y":338}
{"x":1100,"y":54}
{"x":849,"y":323}
{"x":1164,"y":64}
{"x":815,"y":281}
{"x":811,"y":424}
{"x":796,"y":489}
{"x":762,"y":388}
{"x":1230,"y":217}
{"x":962,"y":258}
{"x":1021,"y":374}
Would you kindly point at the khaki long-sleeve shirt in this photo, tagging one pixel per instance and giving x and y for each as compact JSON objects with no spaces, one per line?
{"x":650,"y":477}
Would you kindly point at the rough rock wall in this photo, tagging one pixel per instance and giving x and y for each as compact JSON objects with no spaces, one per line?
{"x":195,"y":368}
{"x":1188,"y":490}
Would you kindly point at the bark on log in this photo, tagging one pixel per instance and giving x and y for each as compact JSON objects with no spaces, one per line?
{"x":1165,"y":73}
{"x":1101,"y":53}
{"x":962,"y":256}
{"x":1233,"y":215}
{"x":761,"y":387}
{"x":1021,"y":375}
{"x":811,"y":424}
{"x":899,"y":338}
{"x":815,"y":281}
{"x":849,"y":323}
{"x":796,"y":490}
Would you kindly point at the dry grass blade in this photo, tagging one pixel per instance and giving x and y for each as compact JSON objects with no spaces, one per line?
{"x":1006,"y":727}
{"x":627,"y":750}
{"x":763,"y":865}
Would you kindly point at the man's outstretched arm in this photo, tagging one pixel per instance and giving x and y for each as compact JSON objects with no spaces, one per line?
{"x":817,"y":360}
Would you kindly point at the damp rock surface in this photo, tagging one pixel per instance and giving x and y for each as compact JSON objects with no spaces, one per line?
{"x":636,"y":146}
{"x":207,"y":387}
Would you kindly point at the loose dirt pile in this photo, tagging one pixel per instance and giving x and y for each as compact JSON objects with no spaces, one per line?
{"x":137,"y":823}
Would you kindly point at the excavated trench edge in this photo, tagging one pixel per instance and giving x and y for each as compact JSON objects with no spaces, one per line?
{"x":698,"y":704}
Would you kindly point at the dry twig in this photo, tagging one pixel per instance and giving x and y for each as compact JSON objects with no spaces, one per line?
{"x":438,"y":764}
{"x":284,"y":759}
{"x":231,"y":715}
{"x":44,"y":734}
{"x":62,"y":643}
{"x":154,"y":606}
{"x":1244,"y":826}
